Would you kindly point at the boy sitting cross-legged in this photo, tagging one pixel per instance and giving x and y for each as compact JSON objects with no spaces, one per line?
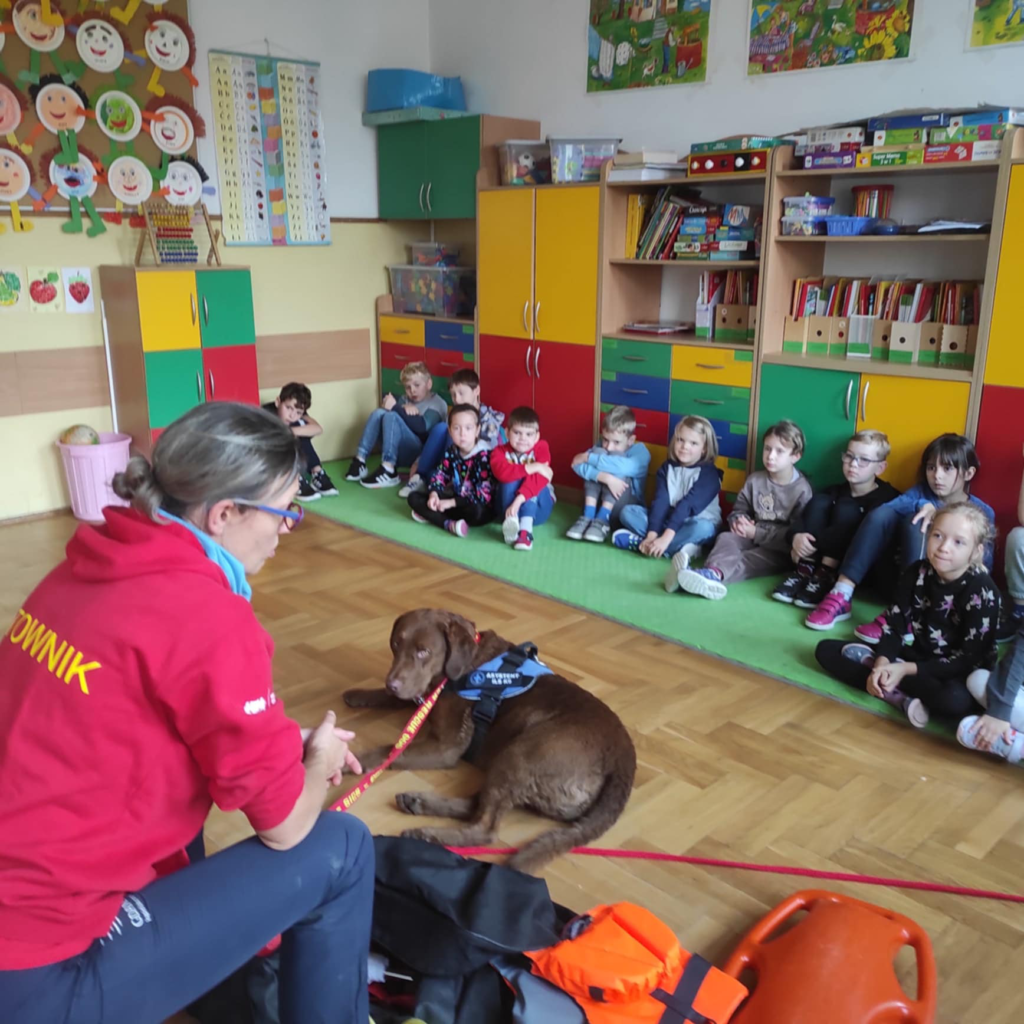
{"x":292,"y":408}
{"x":400,"y":426}
{"x":614,"y":473}
{"x":755,"y":544}
{"x":826,"y":526}
{"x":522,"y":467}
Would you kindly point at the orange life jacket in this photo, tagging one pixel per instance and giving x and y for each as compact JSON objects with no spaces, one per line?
{"x":626,"y":965}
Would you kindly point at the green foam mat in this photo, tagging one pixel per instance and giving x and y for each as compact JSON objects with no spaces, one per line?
{"x":747,"y":627}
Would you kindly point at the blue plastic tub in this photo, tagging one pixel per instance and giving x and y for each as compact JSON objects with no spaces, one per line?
{"x":400,"y":88}
{"x":850,"y":225}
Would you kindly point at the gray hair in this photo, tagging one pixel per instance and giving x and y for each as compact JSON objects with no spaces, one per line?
{"x":215,"y":451}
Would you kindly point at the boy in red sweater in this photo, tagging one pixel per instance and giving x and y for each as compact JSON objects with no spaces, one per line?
{"x":523,"y":469}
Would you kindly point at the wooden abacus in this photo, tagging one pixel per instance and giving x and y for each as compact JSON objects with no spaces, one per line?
{"x":171,"y":233}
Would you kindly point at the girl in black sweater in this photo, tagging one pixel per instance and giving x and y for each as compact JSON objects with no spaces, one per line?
{"x":940,"y":628}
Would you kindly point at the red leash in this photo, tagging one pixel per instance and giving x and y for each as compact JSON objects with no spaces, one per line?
{"x":769,"y":869}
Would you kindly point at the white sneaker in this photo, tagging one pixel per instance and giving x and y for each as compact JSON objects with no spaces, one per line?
{"x":510,"y":529}
{"x":415,"y":484}
{"x":680,"y":563}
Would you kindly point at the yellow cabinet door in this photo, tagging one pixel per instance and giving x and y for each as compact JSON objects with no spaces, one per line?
{"x":565,"y":306}
{"x":1004,"y":363}
{"x":912,"y":413}
{"x":168,"y":310}
{"x":505,"y":263}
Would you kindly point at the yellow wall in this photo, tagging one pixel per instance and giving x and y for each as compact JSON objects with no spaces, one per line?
{"x":295,"y":290}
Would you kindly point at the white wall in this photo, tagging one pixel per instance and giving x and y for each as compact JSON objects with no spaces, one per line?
{"x":530,"y":56}
{"x":348,"y":38}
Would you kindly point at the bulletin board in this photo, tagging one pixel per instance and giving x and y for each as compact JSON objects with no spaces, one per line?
{"x":93,"y":77}
{"x":269,"y":133}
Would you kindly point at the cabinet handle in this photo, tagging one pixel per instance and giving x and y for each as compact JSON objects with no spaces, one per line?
{"x":192,"y":303}
{"x":213,"y":387}
{"x":708,"y":401}
{"x":430,"y":185}
{"x":456,"y":365}
{"x":849,"y":391}
{"x":634,"y":359}
{"x":710,"y":366}
{"x":536,"y":318}
{"x":635,"y":391}
{"x":206,"y":311}
{"x":402,"y":330}
{"x":199,"y":385}
{"x":536,"y":364}
{"x":422,"y":187}
{"x":864,"y":401}
{"x":529,"y":349}
{"x":526,"y":326}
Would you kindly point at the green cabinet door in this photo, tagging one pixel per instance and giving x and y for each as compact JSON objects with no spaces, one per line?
{"x":402,"y":171}
{"x":225,"y":307}
{"x":823,"y":403}
{"x":174,"y":384}
{"x":453,"y":158}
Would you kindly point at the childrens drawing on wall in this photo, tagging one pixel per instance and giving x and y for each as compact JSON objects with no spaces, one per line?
{"x":638,"y":43}
{"x":793,"y":35}
{"x":996,"y":23}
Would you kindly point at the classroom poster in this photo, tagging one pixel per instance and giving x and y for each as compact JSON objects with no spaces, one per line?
{"x":79,"y":296}
{"x":45,"y":292}
{"x":270,"y":150}
{"x":795,"y":35}
{"x":640,"y":43}
{"x":995,"y":23}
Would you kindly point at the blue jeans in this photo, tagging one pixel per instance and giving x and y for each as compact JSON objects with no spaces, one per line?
{"x":873,"y":550}
{"x":433,"y":450}
{"x":693,"y":531}
{"x":185,"y":933}
{"x":539,"y":508}
{"x":399,"y":446}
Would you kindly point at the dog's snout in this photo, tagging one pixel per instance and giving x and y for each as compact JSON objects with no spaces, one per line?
{"x":392,"y":686}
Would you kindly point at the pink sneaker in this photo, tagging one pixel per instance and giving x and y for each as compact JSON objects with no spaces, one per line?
{"x":871,"y":632}
{"x":833,"y":608}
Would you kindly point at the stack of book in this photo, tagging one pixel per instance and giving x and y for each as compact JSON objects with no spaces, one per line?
{"x":915,"y":139}
{"x":646,"y":165}
{"x":830,"y":148}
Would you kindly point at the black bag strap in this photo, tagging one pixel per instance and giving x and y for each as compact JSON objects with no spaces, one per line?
{"x":679,"y":1004}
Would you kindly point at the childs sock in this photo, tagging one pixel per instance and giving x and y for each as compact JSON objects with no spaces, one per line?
{"x":604,"y":514}
{"x":588,"y":511}
{"x":710,"y":572}
{"x":526,"y":524}
{"x":845,"y":589}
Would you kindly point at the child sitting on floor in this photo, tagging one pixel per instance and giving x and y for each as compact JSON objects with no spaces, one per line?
{"x":464,"y":388}
{"x":522,"y":467}
{"x":1013,"y":610}
{"x":292,"y":407}
{"x":460,"y":492}
{"x":755,"y":544}
{"x":614,"y":474}
{"x":685,"y":513}
{"x":825,"y":528}
{"x":400,"y":427}
{"x":938,"y":630}
{"x":948,"y":465}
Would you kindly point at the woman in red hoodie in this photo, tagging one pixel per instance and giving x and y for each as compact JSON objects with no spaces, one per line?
{"x":136,"y":691}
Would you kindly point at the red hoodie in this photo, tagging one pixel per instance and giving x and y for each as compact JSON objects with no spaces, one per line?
{"x":135,"y":691}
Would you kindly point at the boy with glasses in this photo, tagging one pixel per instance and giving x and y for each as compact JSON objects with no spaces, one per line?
{"x":825,"y":528}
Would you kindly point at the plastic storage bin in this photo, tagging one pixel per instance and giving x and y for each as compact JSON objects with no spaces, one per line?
{"x":804,"y":226}
{"x":401,"y":88}
{"x":850,"y":225}
{"x":434,"y":291}
{"x":807,"y":206}
{"x":580,"y":159}
{"x":525,"y":162}
{"x":433,"y":254}
{"x":89,"y":468}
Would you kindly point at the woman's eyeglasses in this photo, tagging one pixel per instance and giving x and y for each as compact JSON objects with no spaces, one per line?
{"x":292,"y":515}
{"x":858,"y":460}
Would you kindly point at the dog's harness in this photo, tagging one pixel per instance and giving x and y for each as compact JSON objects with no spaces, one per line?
{"x":508,"y":675}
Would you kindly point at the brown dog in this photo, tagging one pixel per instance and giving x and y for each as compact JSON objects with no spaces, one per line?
{"x":555,"y":749}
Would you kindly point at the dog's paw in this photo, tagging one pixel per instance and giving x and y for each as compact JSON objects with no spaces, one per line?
{"x":411,"y":803}
{"x":361,"y":698}
{"x":426,"y":834}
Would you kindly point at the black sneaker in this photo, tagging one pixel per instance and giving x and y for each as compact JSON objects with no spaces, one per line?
{"x":790,"y":587}
{"x":381,"y":477}
{"x":323,"y":484}
{"x":356,"y":470}
{"x":307,"y":492}
{"x":815,"y":589}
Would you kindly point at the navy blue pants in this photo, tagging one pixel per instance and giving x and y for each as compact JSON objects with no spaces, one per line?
{"x":183,"y":934}
{"x":309,"y":455}
{"x":872,"y":554}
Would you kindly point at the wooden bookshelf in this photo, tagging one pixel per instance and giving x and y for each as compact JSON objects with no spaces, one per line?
{"x":678,"y":338}
{"x":931,"y":236}
{"x":867,"y":366}
{"x":694,"y":264}
{"x":897,"y":171}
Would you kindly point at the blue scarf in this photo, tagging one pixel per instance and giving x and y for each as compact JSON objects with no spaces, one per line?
{"x":231,"y":566}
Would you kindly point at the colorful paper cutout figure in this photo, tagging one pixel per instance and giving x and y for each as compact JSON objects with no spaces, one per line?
{"x":5,"y":30}
{"x":120,"y":119}
{"x":12,"y":111}
{"x":174,"y":126}
{"x":130,"y":182}
{"x":51,"y":16}
{"x":185,"y":183}
{"x":126,"y":13}
{"x":40,"y":38}
{"x":15,"y":184}
{"x":77,"y":183}
{"x":171,"y":46}
{"x":61,"y":109}
{"x":103,"y":47}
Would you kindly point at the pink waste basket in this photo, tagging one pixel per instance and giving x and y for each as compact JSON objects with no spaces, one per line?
{"x":89,"y":468}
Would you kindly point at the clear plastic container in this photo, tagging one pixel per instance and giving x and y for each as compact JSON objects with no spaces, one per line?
{"x":807,"y":206}
{"x":433,"y":254}
{"x":433,"y":291}
{"x":525,"y":162}
{"x":580,"y":159}
{"x":804,"y":226}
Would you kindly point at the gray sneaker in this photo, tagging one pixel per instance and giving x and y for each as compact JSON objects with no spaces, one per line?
{"x":597,"y":531}
{"x":578,"y":529}
{"x":415,"y":484}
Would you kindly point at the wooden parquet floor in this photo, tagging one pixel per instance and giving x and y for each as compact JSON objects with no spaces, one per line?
{"x":732,"y":764}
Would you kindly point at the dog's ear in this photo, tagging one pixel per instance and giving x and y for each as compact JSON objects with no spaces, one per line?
{"x":460,"y":635}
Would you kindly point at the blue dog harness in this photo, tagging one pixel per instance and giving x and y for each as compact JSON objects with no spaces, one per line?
{"x":508,"y":675}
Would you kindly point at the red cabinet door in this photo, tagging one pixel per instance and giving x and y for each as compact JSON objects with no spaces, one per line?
{"x":506,"y":372}
{"x":231,"y":374}
{"x":1000,"y":437}
{"x":563,"y":388}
